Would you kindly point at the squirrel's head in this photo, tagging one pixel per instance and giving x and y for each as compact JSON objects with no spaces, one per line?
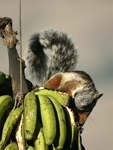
{"x":85,"y":100}
{"x":85,"y":96}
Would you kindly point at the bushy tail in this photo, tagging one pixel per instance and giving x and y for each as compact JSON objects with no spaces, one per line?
{"x":63,"y":55}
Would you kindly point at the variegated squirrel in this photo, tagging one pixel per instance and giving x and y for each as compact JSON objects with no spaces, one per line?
{"x":59,"y":72}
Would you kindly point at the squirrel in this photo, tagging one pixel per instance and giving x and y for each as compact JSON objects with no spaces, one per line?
{"x":60,"y":71}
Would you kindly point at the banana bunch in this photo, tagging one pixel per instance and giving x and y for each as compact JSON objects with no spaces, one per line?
{"x":43,"y":123}
{"x":47,"y":122}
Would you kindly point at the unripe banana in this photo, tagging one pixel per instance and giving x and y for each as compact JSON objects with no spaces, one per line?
{"x":4,"y":97}
{"x":40,"y":142}
{"x":12,"y":146}
{"x":30,"y":148}
{"x":6,"y":102}
{"x":7,"y":76}
{"x":53,"y":148}
{"x":30,"y":115}
{"x":3,"y":119}
{"x":71,"y":128}
{"x":74,"y":129}
{"x":79,"y":143}
{"x":8,"y":126}
{"x":23,"y":133}
{"x":48,"y":118}
{"x":2,"y":78}
{"x":6,"y":88}
{"x":73,"y":134}
{"x":61,"y":133}
{"x":62,"y":98}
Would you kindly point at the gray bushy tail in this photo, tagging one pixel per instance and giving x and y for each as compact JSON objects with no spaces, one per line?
{"x":63,"y":55}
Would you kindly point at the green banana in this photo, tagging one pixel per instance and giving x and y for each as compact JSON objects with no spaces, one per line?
{"x":8,"y":126}
{"x":30,"y":115}
{"x":37,"y":88}
{"x":74,"y":129}
{"x":79,"y":143}
{"x":30,"y":148}
{"x":12,"y":146}
{"x":62,"y":98}
{"x":3,"y":119}
{"x":61,"y":133}
{"x":7,"y":76}
{"x":53,"y":148}
{"x":48,"y":118}
{"x":2,"y":78}
{"x":6,"y":87}
{"x":73,"y":134}
{"x":69,"y":128}
{"x":4,"y":97}
{"x":40,"y":142}
{"x":6,"y":102}
{"x":23,"y":133}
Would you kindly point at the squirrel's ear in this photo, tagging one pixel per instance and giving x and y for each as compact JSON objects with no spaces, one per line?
{"x":97,"y":96}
